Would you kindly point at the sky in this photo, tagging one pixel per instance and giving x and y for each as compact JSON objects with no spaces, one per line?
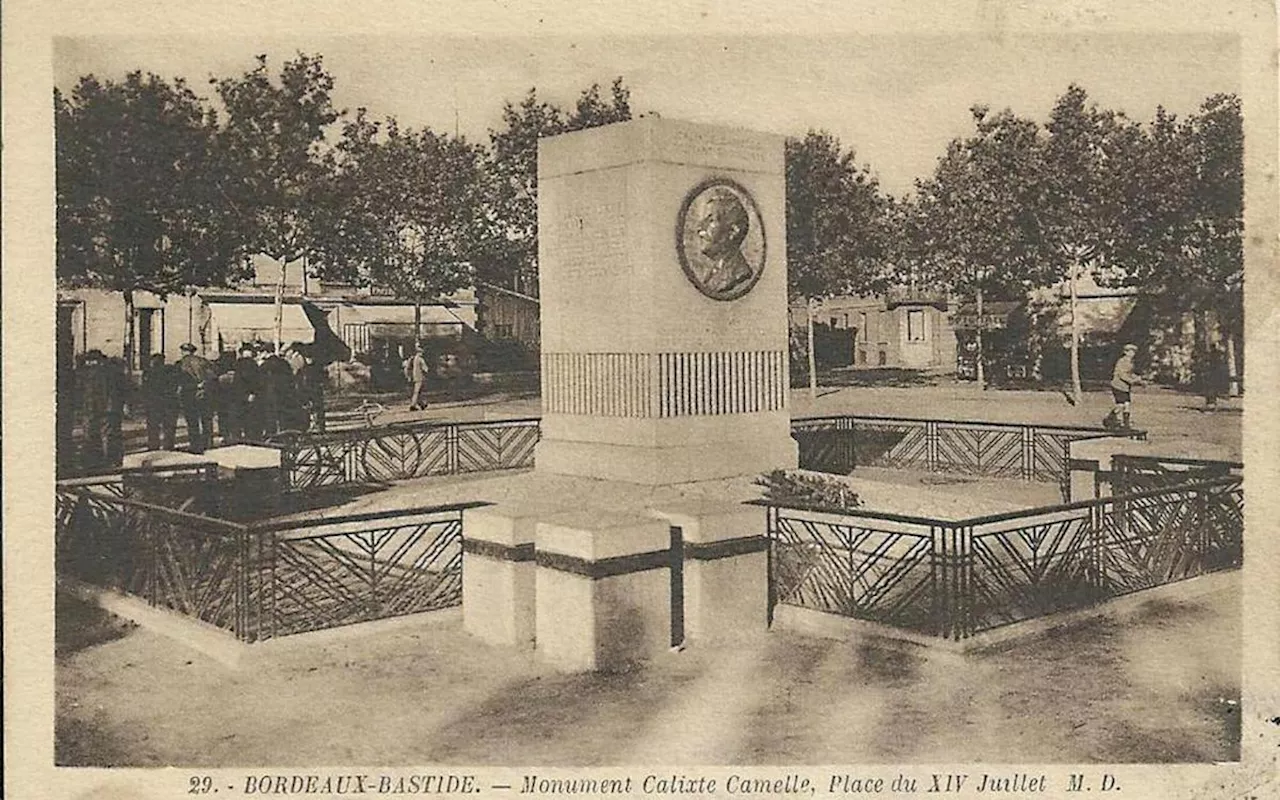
{"x":895,"y":99}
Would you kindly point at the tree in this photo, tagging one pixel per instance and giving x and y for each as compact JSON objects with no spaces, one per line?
{"x":973,"y":226}
{"x":402,"y":210}
{"x":273,"y":144}
{"x":1218,"y":146}
{"x":139,"y":195}
{"x":835,"y":226}
{"x":1089,"y":158}
{"x":1179,"y":232}
{"x":507,"y":252}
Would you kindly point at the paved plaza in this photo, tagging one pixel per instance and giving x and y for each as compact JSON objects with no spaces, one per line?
{"x":1158,"y":683}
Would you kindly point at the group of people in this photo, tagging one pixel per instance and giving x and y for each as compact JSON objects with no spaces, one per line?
{"x":251,"y":393}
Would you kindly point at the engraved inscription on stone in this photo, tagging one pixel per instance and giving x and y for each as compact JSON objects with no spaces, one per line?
{"x":708,"y":146}
{"x":588,"y":240}
{"x":720,"y":239}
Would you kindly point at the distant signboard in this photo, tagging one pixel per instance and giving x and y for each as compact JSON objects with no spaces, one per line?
{"x":973,"y":322}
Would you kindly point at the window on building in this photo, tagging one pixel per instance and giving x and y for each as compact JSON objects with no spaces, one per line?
{"x":884,"y":358}
{"x":915,"y":325}
{"x":862,"y":325}
{"x":502,"y":331}
{"x":149,"y":335}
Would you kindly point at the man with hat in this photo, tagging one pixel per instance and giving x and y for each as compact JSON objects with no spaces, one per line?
{"x":243,"y":396}
{"x":1123,"y":379}
{"x":195,"y":376}
{"x":416,"y":370}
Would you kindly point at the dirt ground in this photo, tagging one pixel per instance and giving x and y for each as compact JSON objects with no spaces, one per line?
{"x":1157,"y":684}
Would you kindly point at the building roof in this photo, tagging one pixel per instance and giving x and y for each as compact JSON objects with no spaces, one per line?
{"x":489,"y":287}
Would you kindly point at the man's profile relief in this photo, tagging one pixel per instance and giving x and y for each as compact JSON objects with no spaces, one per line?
{"x":721,"y":240}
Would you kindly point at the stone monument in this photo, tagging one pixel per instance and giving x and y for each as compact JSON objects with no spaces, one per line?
{"x":662,"y":271}
{"x":662,"y":268}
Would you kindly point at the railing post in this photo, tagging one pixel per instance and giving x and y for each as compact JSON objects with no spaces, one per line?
{"x":1028,"y":452}
{"x":242,"y":610}
{"x":931,"y":446}
{"x":452,"y":462}
{"x":1200,"y":528}
{"x":941,"y":547}
{"x":964,"y":583}
{"x":1095,"y":557}
{"x":771,"y":532}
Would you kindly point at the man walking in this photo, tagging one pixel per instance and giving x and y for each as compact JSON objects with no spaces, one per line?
{"x":416,"y":371}
{"x":1123,"y":379}
{"x":195,"y":375}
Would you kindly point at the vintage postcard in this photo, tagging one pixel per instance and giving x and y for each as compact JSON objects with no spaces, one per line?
{"x":694,"y":400}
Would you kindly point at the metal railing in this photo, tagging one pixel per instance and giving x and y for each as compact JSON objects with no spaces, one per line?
{"x":1136,"y":473}
{"x":404,"y":451}
{"x":266,"y":580}
{"x":839,"y":444}
{"x":957,"y":578}
{"x":836,"y":444}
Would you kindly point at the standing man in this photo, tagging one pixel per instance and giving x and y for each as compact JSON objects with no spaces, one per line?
{"x":160,"y":396}
{"x":417,"y":374}
{"x":1215,"y":378}
{"x":118,"y":385}
{"x":1123,"y":379}
{"x":94,"y":391}
{"x":275,"y":378}
{"x":311,"y":380}
{"x":244,"y":396}
{"x":195,"y":381}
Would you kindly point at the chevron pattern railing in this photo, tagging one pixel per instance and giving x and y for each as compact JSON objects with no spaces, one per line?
{"x":957,"y":578}
{"x":838,"y":444}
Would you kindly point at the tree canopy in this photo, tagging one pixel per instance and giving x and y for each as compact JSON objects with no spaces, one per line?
{"x":402,"y":209}
{"x":272,"y":143}
{"x":836,"y":220}
{"x":139,"y":203}
{"x":507,"y":253}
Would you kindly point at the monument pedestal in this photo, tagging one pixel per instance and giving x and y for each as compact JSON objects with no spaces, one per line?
{"x":603,"y":590}
{"x":726,"y":569}
{"x":498,"y":572}
{"x":662,"y":274}
{"x":619,"y":579}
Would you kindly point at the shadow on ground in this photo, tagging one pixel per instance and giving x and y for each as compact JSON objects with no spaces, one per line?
{"x":1157,"y":685}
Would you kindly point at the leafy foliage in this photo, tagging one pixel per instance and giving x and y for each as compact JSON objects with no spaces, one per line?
{"x":808,"y":490}
{"x":836,"y":220}
{"x":272,"y":146}
{"x":972,"y":226}
{"x":507,"y":252}
{"x":400,"y":209}
{"x":139,"y":203}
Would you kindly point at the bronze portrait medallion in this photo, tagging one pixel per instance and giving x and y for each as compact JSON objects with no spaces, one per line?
{"x":720,"y":239}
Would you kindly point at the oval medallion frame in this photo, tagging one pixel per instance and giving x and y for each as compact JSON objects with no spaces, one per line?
{"x":720,"y":278}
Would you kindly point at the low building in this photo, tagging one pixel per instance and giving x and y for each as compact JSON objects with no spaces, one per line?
{"x":218,"y":320}
{"x":508,"y":315}
{"x":901,"y":329}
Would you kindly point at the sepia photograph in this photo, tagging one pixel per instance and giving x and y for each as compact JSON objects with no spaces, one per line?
{"x":623,"y":414}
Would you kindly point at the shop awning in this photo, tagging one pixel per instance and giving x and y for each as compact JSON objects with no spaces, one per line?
{"x":396,"y":315}
{"x":1096,"y":317}
{"x":247,"y":322}
{"x":995,"y":316}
